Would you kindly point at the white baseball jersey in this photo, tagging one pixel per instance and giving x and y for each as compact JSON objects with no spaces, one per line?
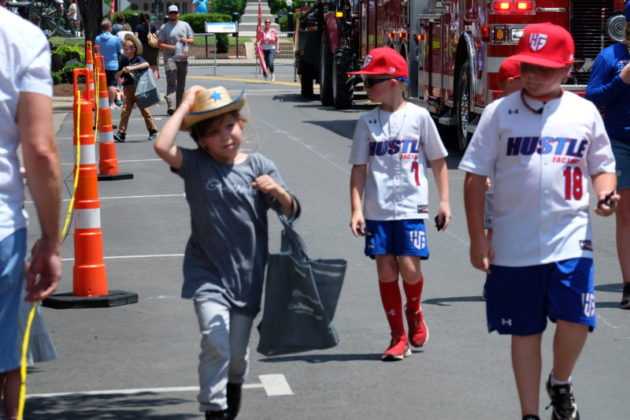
{"x":540,"y":164}
{"x":395,"y":146}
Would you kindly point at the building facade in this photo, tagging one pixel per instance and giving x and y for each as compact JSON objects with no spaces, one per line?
{"x":158,"y":8}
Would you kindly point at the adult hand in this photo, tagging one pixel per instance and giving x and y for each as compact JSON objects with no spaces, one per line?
{"x":44,"y":271}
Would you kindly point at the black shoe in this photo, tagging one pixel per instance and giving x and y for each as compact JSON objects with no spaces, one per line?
{"x":625,"y":300}
{"x":153,"y":135}
{"x":217,"y":415}
{"x":531,"y":417}
{"x":170,"y":111}
{"x":563,"y":402}
{"x":233,"y":399}
{"x":120,"y":137}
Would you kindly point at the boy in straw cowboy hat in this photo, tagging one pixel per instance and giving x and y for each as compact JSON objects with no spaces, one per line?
{"x":132,"y":61}
{"x":229,"y":193}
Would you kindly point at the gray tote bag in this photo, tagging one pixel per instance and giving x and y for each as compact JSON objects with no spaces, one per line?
{"x":301,"y":296}
{"x":146,"y":89}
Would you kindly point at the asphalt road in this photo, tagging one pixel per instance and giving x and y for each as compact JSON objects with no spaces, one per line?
{"x":139,"y":361}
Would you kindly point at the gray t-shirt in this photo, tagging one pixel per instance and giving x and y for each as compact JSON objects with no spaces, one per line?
{"x":171,"y":34}
{"x":227,"y":251}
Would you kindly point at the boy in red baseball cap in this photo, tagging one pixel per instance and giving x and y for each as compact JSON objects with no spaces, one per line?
{"x":539,"y":145}
{"x":389,"y":193}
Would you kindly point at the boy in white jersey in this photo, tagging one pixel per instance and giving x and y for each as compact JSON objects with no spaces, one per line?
{"x":389,"y":192}
{"x":539,"y":145}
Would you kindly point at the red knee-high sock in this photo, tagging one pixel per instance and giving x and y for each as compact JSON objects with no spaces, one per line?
{"x":392,"y":303}
{"x":413,"y":292}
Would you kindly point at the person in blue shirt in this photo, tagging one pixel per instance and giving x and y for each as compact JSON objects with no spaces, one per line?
{"x":109,"y":45}
{"x":201,"y":6}
{"x":609,"y":89}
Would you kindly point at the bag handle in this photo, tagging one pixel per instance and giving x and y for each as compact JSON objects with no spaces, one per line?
{"x":292,"y":242}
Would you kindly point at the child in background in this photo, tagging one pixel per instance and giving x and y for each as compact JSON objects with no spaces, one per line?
{"x":389,"y":193}
{"x":229,"y":193}
{"x":538,"y":145}
{"x":132,"y":61}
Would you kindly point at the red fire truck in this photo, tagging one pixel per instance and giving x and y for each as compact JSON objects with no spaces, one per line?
{"x":454,"y":47}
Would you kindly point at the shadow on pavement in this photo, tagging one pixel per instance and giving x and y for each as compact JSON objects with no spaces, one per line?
{"x":323,"y":358}
{"x":447,"y":301}
{"x":148,"y":405}
{"x":612,"y":287}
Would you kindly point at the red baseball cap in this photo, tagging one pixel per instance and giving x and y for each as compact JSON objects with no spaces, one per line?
{"x":509,"y":68}
{"x":384,"y":61}
{"x":546,"y":45}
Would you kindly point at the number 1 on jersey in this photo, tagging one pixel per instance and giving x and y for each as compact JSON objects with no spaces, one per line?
{"x":415,"y":168}
{"x":573,"y":183}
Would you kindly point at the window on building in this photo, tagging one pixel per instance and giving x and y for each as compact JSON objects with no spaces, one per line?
{"x":145,"y":7}
{"x":184,"y":8}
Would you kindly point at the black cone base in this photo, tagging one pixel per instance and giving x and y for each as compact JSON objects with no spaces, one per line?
{"x":67,"y":301}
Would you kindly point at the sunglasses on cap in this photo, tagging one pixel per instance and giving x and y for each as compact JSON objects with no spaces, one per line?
{"x":368,"y":82}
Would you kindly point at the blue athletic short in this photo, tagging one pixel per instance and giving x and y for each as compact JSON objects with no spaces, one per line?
{"x":519,"y":299}
{"x":110,"y":75}
{"x":396,"y":237}
{"x":12,"y":252}
{"x":621,"y":150}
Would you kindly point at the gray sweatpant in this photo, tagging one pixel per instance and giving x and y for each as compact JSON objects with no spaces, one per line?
{"x":224,"y":352}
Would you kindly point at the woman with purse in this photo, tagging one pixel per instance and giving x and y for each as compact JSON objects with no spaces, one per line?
{"x":132,"y":62}
{"x":146,"y":32}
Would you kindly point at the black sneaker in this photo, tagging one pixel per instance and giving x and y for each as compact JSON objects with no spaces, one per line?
{"x":531,"y":417}
{"x":625,"y":299}
{"x":152,"y":135}
{"x":170,"y":112}
{"x":563,"y":402}
{"x":217,"y":415}
{"x":120,"y":137}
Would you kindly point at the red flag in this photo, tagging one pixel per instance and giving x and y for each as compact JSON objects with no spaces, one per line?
{"x":259,"y":32}
{"x":113,"y":10}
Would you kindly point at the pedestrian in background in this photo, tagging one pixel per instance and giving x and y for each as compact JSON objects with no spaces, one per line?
{"x":389,"y":193}
{"x":118,"y":26}
{"x":539,"y":145}
{"x":151,"y":54}
{"x":201,"y":6}
{"x":132,"y":62}
{"x":609,"y":89}
{"x":269,"y":41}
{"x":229,"y":193}
{"x":174,"y":38}
{"x":26,"y":121}
{"x":109,"y":46}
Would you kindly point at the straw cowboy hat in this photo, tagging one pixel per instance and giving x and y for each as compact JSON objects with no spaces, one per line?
{"x":136,"y":42}
{"x":211,"y":103}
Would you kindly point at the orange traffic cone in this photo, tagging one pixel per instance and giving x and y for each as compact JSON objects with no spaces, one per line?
{"x":89,"y":64}
{"x":107,"y":162}
{"x":89,"y":276}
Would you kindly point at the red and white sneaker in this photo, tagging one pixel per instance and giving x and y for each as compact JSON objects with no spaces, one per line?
{"x":398,"y":348}
{"x":418,"y":330}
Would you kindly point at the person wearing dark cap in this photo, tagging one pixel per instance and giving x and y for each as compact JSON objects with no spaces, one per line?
{"x":609,"y":89}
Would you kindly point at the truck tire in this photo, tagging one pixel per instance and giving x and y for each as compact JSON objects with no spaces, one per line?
{"x":307,"y":74}
{"x":342,"y":88}
{"x":462,"y":106}
{"x":325,"y":72}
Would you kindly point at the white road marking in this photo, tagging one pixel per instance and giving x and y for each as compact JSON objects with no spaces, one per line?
{"x":128,"y":257}
{"x":122,"y":161}
{"x":274,"y":385}
{"x":125,"y":197}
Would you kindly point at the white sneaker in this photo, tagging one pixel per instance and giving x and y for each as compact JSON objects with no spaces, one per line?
{"x":266,"y":79}
{"x":273,"y":77}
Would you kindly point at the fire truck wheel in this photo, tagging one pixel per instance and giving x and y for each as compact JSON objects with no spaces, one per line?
{"x":325,"y":72}
{"x":343,"y":89}
{"x":462,"y":106}
{"x":306,"y":81}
